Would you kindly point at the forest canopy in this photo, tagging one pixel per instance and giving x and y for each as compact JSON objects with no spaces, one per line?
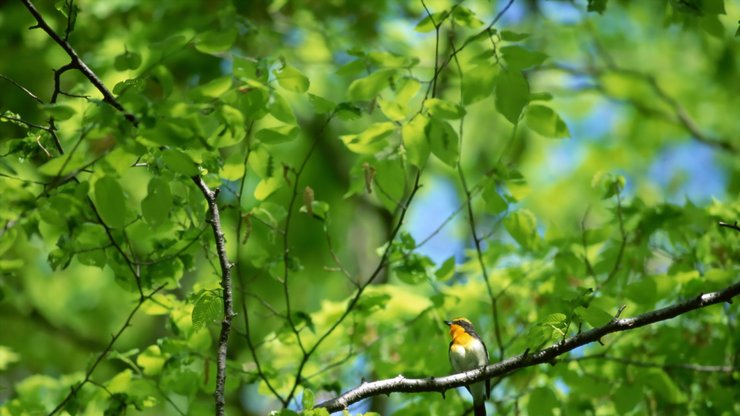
{"x":256,"y":207}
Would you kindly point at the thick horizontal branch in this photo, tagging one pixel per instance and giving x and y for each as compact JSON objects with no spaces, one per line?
{"x":401,"y":384}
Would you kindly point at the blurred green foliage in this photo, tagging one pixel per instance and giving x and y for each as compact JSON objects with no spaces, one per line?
{"x":590,"y":146}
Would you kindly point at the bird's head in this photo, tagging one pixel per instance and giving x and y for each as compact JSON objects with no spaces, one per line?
{"x":459,"y":325}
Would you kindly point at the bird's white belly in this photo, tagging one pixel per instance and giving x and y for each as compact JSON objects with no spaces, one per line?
{"x":463,"y":359}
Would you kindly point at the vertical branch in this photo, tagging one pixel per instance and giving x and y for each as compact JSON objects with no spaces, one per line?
{"x":223,"y":339}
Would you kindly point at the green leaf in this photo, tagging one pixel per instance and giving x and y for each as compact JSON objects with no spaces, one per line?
{"x":307,"y":399}
{"x":318,"y":209}
{"x":278,"y":134}
{"x":351,"y":68}
{"x":292,"y":79}
{"x":594,"y":315}
{"x":495,"y":203}
{"x":609,"y":183}
{"x":392,"y":60}
{"x":447,"y":270}
{"x":110,"y":202}
{"x":246,"y":68}
{"x":598,"y":6}
{"x":179,"y":162}
{"x":232,"y":129}
{"x":466,"y":18}
{"x":365,"y":89}
{"x":261,"y":161}
{"x":151,"y":360}
{"x":215,"y":41}
{"x":444,"y":109}
{"x":478,"y":83}
{"x":321,"y":105}
{"x":414,"y":269}
{"x":510,"y":36}
{"x":415,"y":140}
{"x":156,"y":206}
{"x":443,"y":141}
{"x":214,"y":88}
{"x":280,"y":109}
{"x":267,"y":187}
{"x":370,"y":141}
{"x":519,"y":58}
{"x":208,"y":309}
{"x":127,"y":60}
{"x":522,"y":226}
{"x":427,"y":23}
{"x":59,"y":111}
{"x":392,"y":109}
{"x":512,"y":94}
{"x":546,"y":122}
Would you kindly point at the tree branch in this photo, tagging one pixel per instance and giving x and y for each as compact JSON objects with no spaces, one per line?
{"x":401,"y":384}
{"x":732,"y":226}
{"x":77,"y":62}
{"x":76,"y":388}
{"x":223,"y":259}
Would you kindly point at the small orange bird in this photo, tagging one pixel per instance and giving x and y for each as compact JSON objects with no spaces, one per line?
{"x":468,"y":352}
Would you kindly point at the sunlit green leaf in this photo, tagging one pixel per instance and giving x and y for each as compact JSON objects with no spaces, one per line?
{"x":215,"y":41}
{"x":208,"y":309}
{"x":522,"y":226}
{"x":427,"y":23}
{"x":267,"y":187}
{"x":443,"y":141}
{"x":546,"y":122}
{"x":367,"y":88}
{"x":466,"y":18}
{"x":478,"y":83}
{"x":277,"y":134}
{"x":414,"y":134}
{"x":292,"y":79}
{"x":370,"y":141}
{"x":444,"y":109}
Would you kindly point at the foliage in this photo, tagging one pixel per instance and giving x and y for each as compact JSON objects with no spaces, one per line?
{"x":535,"y":166}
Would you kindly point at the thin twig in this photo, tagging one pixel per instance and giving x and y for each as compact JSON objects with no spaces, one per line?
{"x":76,"y":388}
{"x":22,"y":88}
{"x":77,"y":62}
{"x":667,"y":366}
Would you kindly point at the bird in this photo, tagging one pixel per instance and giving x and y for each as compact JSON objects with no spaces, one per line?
{"x":467,"y":352}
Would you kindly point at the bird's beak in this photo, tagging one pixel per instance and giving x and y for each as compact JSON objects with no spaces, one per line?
{"x":447,"y":322}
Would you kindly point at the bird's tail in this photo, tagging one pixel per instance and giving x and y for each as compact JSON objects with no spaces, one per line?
{"x":479,"y":408}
